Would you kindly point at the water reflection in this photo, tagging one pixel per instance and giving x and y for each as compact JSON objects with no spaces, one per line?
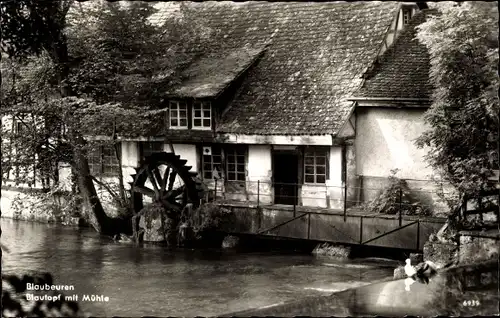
{"x":152,"y":280}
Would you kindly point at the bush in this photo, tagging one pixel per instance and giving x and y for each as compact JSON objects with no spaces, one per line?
{"x":55,"y":205}
{"x":214,"y":217}
{"x":388,"y":201}
{"x":332,"y":250}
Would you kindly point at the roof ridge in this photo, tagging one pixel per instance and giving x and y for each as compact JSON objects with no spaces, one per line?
{"x":409,"y":29}
{"x":409,"y":78}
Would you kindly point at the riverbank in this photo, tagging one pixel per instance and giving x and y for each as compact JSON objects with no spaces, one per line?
{"x":152,"y":280}
{"x":456,"y":291}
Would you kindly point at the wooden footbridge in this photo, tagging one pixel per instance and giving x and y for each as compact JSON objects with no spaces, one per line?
{"x":353,"y":227}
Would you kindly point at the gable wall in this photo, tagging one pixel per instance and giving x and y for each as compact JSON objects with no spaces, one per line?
{"x":384,"y":141}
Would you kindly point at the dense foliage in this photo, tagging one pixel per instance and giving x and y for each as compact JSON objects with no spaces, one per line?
{"x":396,"y":198}
{"x":462,"y":40}
{"x":86,"y":69}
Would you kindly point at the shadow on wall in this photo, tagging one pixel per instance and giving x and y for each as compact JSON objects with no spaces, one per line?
{"x":424,"y":192}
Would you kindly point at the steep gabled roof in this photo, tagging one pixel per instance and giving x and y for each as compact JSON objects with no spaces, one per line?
{"x":316,"y":55}
{"x":403,"y":70}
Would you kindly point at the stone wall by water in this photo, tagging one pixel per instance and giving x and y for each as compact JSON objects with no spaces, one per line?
{"x":479,"y":246}
{"x":35,"y":205}
{"x":59,"y":205}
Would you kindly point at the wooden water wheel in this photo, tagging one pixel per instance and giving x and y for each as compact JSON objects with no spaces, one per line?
{"x":164,"y":178}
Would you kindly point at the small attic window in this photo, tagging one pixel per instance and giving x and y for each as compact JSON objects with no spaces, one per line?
{"x":406,"y":15}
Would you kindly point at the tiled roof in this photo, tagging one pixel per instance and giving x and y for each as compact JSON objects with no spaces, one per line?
{"x":316,"y":56}
{"x":403,"y":70}
{"x":210,"y":74}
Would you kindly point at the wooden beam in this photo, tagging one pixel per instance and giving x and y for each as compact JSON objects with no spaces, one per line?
{"x":312,"y":140}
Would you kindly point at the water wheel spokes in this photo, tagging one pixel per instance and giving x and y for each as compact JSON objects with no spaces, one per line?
{"x":145,"y":191}
{"x":164,"y":178}
{"x":149,"y":171}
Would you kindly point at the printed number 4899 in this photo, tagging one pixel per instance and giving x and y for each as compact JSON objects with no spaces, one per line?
{"x":471,"y":303}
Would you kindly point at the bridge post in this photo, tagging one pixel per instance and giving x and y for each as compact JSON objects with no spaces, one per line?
{"x":258,"y":193}
{"x":294,"y":198}
{"x":400,"y":206}
{"x":308,"y":226}
{"x":215,"y":192}
{"x":418,"y":235}
{"x":361,"y":230}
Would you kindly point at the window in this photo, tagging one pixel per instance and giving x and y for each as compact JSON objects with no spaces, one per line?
{"x":235,"y":159}
{"x":150,"y":147}
{"x":94,"y":159}
{"x":211,"y":162}
{"x":202,"y":115}
{"x":19,"y":128}
{"x":315,"y":166}
{"x":406,"y":16}
{"x":178,"y":114}
{"x":110,"y":163}
{"x":103,"y":161}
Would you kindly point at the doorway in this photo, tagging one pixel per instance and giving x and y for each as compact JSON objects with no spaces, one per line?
{"x":286,"y":177}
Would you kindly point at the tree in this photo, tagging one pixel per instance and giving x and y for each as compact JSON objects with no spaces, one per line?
{"x":462,"y":40}
{"x":98,"y":64}
{"x":36,"y":27}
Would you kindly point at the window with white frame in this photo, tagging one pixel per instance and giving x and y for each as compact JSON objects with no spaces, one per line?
{"x":315,"y":166}
{"x":211,"y":163}
{"x":178,"y":114}
{"x":202,"y":115}
{"x":235,"y":164}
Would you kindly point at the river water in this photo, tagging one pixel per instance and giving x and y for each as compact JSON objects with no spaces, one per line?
{"x":154,"y":281}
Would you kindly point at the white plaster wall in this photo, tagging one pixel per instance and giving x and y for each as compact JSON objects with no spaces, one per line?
{"x":187,"y":152}
{"x":130,"y":153}
{"x":385,"y":140}
{"x":348,"y":129}
{"x":259,"y":167}
{"x":130,"y":160}
{"x":259,"y":163}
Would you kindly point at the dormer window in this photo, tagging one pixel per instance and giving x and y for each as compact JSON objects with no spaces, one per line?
{"x":202,"y":115}
{"x":178,"y":114}
{"x":406,"y":15}
{"x":195,"y":114}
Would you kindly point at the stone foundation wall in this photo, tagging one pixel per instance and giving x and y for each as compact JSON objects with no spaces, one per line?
{"x":479,"y":246}
{"x":20,"y":204}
